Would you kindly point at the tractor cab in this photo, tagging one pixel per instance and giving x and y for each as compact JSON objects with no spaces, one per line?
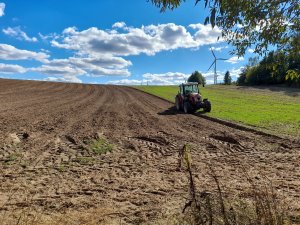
{"x":189,"y":88}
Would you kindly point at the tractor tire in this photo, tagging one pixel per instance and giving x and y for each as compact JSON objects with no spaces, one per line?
{"x":177,"y":104}
{"x":207,"y":107}
{"x":187,"y":108}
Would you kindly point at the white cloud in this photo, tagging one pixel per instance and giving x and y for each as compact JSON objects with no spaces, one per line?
{"x":11,"y":69}
{"x":2,"y":8}
{"x":169,"y":78}
{"x":126,"y":82}
{"x":98,"y":72}
{"x":102,"y":66}
{"x":71,"y":67}
{"x":205,"y":35}
{"x":236,"y":72}
{"x":209,"y":74}
{"x":250,"y":50}
{"x":68,"y":70}
{"x":68,"y":79}
{"x":134,"y":41}
{"x":70,"y":30}
{"x":235,"y":59}
{"x":52,"y":36}
{"x":119,"y":25}
{"x":45,"y":50}
{"x":59,"y":70}
{"x":218,"y":49}
{"x":19,"y":34}
{"x":108,"y":62}
{"x":9,"y":52}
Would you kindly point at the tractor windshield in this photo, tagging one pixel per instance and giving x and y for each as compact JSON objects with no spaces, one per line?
{"x":191,"y":89}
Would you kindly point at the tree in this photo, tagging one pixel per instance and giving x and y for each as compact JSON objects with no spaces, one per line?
{"x":227,"y":78}
{"x":252,"y":23}
{"x":197,"y":77}
{"x":241,"y":80}
{"x":275,"y":68}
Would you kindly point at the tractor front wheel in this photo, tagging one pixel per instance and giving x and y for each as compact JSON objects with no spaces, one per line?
{"x":207,"y":106}
{"x":187,"y":107}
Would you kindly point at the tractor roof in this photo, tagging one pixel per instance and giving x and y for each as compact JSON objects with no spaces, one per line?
{"x":189,"y":84}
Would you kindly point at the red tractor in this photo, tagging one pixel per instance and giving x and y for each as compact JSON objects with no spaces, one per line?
{"x":190,"y":100}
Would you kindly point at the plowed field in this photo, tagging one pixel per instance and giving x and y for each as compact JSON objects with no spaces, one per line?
{"x":47,"y":166}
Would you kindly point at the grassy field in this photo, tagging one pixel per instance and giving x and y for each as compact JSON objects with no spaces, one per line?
{"x":276,"y":109}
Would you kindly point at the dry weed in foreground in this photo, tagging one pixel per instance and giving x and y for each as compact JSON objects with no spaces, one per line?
{"x":262,"y":207}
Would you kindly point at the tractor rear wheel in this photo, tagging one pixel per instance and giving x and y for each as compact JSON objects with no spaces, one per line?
{"x":177,"y":104}
{"x":187,"y":108}
{"x":207,"y":107}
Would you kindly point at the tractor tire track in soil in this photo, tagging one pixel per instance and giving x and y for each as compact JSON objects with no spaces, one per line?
{"x":46,"y":165}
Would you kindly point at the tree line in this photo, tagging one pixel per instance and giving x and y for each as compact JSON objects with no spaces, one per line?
{"x":277,"y":67}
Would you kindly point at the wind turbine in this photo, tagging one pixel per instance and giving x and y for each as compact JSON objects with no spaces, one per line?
{"x":215,"y":63}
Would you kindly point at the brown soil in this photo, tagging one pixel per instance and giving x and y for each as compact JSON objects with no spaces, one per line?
{"x":46,"y":164}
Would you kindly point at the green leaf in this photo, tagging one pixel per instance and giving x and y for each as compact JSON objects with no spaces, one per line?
{"x":206,"y":2}
{"x":206,"y":20}
{"x":213,"y":17}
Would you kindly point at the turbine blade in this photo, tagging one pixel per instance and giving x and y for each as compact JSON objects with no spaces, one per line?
{"x":221,"y":59}
{"x":213,"y":52}
{"x":211,"y":65}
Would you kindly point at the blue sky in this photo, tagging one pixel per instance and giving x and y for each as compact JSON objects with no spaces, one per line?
{"x":108,"y":42}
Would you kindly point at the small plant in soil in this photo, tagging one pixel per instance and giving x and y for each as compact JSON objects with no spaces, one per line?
{"x":12,"y":158}
{"x":62,"y":167}
{"x":85,"y":160}
{"x":100,"y":146}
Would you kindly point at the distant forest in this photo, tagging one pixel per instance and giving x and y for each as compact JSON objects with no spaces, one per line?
{"x":278,"y":67}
